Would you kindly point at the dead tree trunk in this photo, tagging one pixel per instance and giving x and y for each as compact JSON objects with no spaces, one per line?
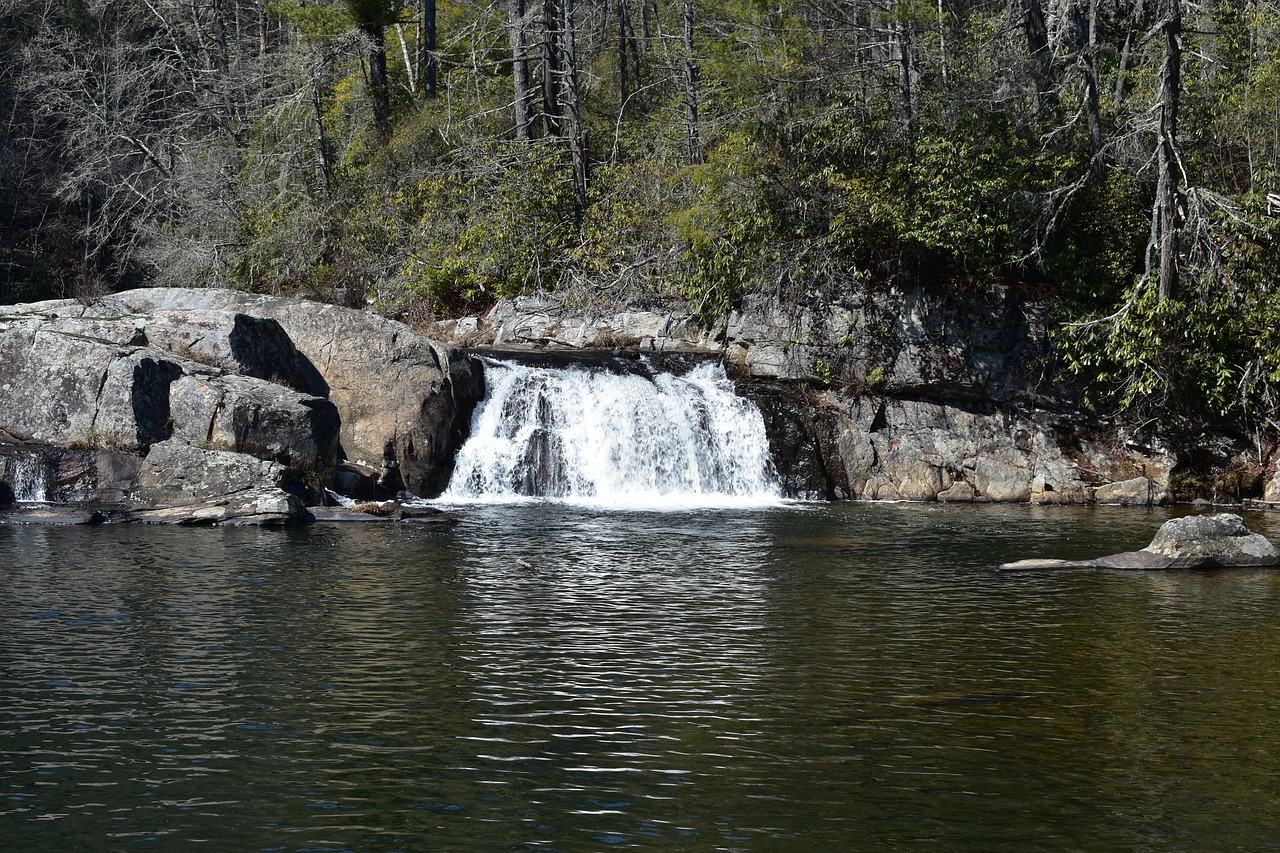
{"x":572,"y":104}
{"x":550,"y":68}
{"x":628,"y":55}
{"x":906,"y":82}
{"x":1170,"y":178}
{"x":427,"y":63}
{"x":1126,"y":51}
{"x":1087,"y":48}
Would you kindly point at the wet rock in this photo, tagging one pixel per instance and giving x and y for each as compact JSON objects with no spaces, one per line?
{"x":263,"y":508}
{"x":957,"y":493}
{"x":1194,"y":542}
{"x":902,"y":394}
{"x":387,"y":511}
{"x":57,"y":516}
{"x":893,"y":449}
{"x":50,"y":474}
{"x":1209,"y":541}
{"x":1036,"y":565}
{"x":1133,"y":560}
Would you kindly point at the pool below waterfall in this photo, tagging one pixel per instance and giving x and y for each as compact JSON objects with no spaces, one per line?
{"x":542,"y":677}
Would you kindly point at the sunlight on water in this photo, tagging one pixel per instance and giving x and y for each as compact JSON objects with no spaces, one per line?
{"x":542,"y":677}
{"x":624,"y":441}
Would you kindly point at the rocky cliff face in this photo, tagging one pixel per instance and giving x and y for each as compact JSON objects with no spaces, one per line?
{"x":400,"y":395}
{"x":216,"y":392}
{"x":890,"y":396}
{"x":901,"y":395}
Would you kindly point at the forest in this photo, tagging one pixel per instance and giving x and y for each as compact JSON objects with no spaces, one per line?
{"x":1111,"y":158}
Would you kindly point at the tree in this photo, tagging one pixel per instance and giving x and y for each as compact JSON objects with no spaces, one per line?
{"x":1041,"y":54}
{"x":372,"y":17}
{"x":428,"y":63}
{"x":1168,"y":163}
{"x":1086,"y":29}
{"x":693,"y":132}
{"x":517,"y":24}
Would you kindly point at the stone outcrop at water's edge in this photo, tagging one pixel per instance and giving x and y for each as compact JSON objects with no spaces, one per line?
{"x":893,"y":395}
{"x":203,"y":406}
{"x":896,"y":395}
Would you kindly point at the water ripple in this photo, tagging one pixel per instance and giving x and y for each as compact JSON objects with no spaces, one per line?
{"x":851,"y":678}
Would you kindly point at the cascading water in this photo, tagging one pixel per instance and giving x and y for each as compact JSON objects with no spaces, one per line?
{"x":609,"y":439}
{"x":26,"y":474}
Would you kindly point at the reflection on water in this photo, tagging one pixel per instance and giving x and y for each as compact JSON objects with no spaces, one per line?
{"x":807,"y":678}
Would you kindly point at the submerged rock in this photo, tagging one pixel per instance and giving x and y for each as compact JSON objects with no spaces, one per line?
{"x":55,"y":516}
{"x":383,"y":511}
{"x":1216,"y":541}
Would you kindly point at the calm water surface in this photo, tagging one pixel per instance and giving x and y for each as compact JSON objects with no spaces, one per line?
{"x":850,"y":678}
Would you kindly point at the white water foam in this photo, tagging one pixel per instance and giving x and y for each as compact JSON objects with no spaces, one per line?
{"x":27,"y":475}
{"x":624,"y":441}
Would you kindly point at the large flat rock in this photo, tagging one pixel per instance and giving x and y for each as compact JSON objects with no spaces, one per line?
{"x":1216,"y":541}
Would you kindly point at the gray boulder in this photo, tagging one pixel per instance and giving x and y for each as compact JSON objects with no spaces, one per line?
{"x":394,"y":389}
{"x":232,"y":341}
{"x":299,"y":383}
{"x":1194,"y":542}
{"x":883,"y":448}
{"x":100,"y":385}
{"x":1137,"y":491}
{"x":192,"y":485}
{"x":1210,"y":541}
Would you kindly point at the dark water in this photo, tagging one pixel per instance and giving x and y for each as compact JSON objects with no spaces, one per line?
{"x":812,"y":679}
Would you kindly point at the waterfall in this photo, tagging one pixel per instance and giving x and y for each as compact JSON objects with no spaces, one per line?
{"x":608,"y":439}
{"x":26,"y":474}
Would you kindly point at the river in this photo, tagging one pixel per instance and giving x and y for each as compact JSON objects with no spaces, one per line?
{"x":803,"y":678}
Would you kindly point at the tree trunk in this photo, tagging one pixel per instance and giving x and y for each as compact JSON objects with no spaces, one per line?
{"x":520,"y":66}
{"x":1041,"y":55}
{"x":906,"y":87}
{"x":1087,"y":46}
{"x":1170,"y":181}
{"x":322,"y":140}
{"x":693,"y":134}
{"x":379,"y":99}
{"x":427,"y":65}
{"x":623,"y":65}
{"x":550,"y":68}
{"x":1126,"y":51}
{"x":572,"y":104}
{"x":942,"y":45}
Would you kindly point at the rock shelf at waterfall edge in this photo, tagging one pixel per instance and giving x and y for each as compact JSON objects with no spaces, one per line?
{"x":216,"y":406}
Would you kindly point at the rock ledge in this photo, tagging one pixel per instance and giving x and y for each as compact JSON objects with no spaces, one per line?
{"x":1216,"y":541}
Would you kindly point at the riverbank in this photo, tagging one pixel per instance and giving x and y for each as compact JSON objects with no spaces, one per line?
{"x":228,"y":407}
